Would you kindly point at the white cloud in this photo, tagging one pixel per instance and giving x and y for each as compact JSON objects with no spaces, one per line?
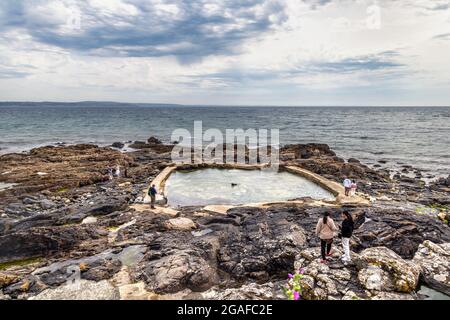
{"x":319,"y":50}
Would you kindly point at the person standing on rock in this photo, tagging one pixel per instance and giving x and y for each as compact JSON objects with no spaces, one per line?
{"x":347,"y":186}
{"x":353,"y":188}
{"x":325,"y":230}
{"x":346,"y":233}
{"x":152,"y":192}
{"x":110,"y":173}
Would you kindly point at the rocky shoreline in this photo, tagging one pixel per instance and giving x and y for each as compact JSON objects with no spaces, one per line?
{"x":61,"y":217}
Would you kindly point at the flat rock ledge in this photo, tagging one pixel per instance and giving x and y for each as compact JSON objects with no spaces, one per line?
{"x":82,"y":290}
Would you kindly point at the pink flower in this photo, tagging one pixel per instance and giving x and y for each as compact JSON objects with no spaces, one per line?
{"x":296,"y":295}
{"x":301,"y":271}
{"x":290,"y":276}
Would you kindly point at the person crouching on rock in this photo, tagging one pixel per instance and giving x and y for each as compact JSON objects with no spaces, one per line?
{"x":152,"y":192}
{"x":346,"y":233}
{"x":325,"y":231}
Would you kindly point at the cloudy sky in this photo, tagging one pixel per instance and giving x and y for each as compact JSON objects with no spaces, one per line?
{"x":240,"y":52}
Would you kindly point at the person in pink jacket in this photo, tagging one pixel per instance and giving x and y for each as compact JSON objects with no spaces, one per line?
{"x":325,"y":230}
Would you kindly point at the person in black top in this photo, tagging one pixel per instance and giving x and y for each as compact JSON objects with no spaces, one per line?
{"x":152,"y":193}
{"x":346,"y":233}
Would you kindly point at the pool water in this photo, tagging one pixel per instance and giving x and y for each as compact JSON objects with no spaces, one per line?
{"x":430,"y":294}
{"x":237,"y":186}
{"x":4,"y":186}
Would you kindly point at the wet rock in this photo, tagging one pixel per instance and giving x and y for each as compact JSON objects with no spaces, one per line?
{"x":442,"y":182}
{"x":382,"y":269}
{"x":95,"y":268}
{"x":306,"y":151}
{"x":139,"y":145}
{"x":118,"y":145}
{"x":38,"y":220}
{"x":43,"y":241}
{"x":82,"y":290}
{"x":434,"y":261}
{"x":21,"y":246}
{"x":154,"y":140}
{"x":353,"y":160}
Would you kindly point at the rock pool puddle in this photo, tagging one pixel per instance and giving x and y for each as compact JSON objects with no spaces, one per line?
{"x":5,"y":186}
{"x":237,"y":186}
{"x":431,"y":294}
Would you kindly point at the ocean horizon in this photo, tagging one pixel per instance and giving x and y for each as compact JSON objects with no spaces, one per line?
{"x":160,"y":104}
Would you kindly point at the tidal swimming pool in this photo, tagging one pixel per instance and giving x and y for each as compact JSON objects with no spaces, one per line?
{"x":237,"y":186}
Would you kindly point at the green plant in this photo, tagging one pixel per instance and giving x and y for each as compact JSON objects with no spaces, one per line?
{"x":293,"y":290}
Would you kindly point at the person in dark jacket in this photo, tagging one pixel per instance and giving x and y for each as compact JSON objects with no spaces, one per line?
{"x":152,"y":192}
{"x":346,"y":233}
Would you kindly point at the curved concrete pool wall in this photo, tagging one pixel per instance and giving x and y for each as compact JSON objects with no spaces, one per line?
{"x":335,"y":188}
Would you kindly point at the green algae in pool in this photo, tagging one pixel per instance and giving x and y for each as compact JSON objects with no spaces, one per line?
{"x":237,"y":186}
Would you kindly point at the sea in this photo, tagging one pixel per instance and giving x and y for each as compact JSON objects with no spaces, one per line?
{"x":392,"y":137}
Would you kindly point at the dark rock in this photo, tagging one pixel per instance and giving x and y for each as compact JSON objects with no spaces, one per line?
{"x":46,"y":204}
{"x":306,"y":151}
{"x":401,"y":232}
{"x":17,"y":209}
{"x":154,"y":140}
{"x":118,"y":145}
{"x":30,"y":284}
{"x":29,"y":200}
{"x":35,"y":221}
{"x":103,"y":207}
{"x":179,"y":271}
{"x":353,"y":160}
{"x":107,"y":208}
{"x":139,"y":145}
{"x":25,"y":245}
{"x":39,"y":242}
